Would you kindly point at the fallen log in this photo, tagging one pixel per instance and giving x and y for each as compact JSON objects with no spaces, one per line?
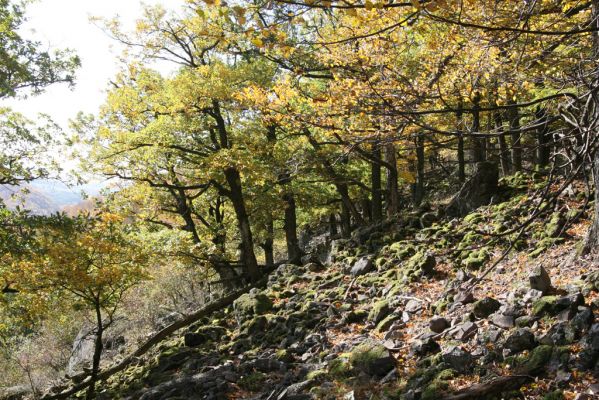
{"x":64,"y":392}
{"x":496,"y":386}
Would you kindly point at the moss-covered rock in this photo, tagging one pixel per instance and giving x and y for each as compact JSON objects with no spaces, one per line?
{"x":252,"y":304}
{"x":545,"y":305}
{"x":422,"y":263}
{"x":379,"y":311}
{"x":476,"y":259}
{"x":372,"y":359}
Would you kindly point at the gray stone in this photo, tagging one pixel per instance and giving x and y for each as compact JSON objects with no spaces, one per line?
{"x":464,"y":297}
{"x":539,"y":279}
{"x":458,"y":358}
{"x":503,"y":321}
{"x":363,"y":266}
{"x":438,"y":324}
{"x":520,"y":340}
{"x":531,"y":296}
{"x":372,"y":359}
{"x":559,"y":334}
{"x":464,"y":331}
{"x":413,"y":306}
{"x":485,"y":307}
{"x":425,"y":347}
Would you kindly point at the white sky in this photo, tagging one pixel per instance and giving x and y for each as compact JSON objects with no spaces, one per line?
{"x":65,"y":23}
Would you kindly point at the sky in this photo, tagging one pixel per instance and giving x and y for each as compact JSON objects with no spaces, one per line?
{"x":66,"y":24}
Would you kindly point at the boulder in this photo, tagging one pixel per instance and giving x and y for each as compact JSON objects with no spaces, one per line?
{"x":503,"y":321}
{"x":253,"y":303}
{"x":485,"y":307}
{"x":422,"y":262}
{"x":425,"y":347}
{"x":520,"y":340}
{"x":363,"y":266}
{"x":464,"y":331}
{"x":458,"y":358}
{"x":438,"y":324}
{"x":379,"y":311}
{"x":539,"y":280}
{"x":372,"y":358}
{"x":464,"y":297}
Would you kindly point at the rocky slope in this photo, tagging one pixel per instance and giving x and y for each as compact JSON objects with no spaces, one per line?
{"x":397,"y":312}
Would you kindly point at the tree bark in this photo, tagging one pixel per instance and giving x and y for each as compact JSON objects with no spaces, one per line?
{"x":248,"y":258}
{"x":392,"y":186}
{"x":268,"y":245}
{"x":477,"y":150}
{"x":504,"y":155}
{"x":98,"y":348}
{"x":294,"y":253}
{"x":514,"y":117}
{"x":460,"y":130}
{"x":418,"y":194}
{"x":375,"y":176}
{"x":543,"y":147}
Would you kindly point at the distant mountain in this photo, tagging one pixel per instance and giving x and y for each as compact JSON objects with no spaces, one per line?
{"x":45,"y":197}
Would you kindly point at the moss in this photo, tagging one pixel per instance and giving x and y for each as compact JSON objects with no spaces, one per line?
{"x":446,"y":374}
{"x":379,"y":311}
{"x":385,"y":324}
{"x":533,"y":362}
{"x":557,"y":395}
{"x":316,"y":375}
{"x":252,"y":382}
{"x":284,"y":355}
{"x":433,"y":390}
{"x":339,"y":368}
{"x":476,"y":259}
{"x":545,"y":304}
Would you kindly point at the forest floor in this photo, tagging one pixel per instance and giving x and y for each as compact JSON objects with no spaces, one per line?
{"x":398,"y":313}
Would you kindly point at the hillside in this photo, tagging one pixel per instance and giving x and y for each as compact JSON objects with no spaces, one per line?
{"x":405,"y":310}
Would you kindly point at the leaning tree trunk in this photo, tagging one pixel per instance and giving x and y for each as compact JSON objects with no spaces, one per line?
{"x":504,"y":155}
{"x":243,"y":222}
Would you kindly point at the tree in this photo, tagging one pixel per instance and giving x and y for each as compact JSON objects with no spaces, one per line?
{"x":90,"y":262}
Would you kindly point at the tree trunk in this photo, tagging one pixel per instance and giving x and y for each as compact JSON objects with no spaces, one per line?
{"x":98,"y":348}
{"x":375,"y":176}
{"x":294,"y":253}
{"x":478,"y":144}
{"x":543,"y":147}
{"x":243,"y":222}
{"x":504,"y":155}
{"x":418,"y":194}
{"x":392,"y":187}
{"x":267,"y":246}
{"x":514,"y":117}
{"x":460,"y":130}
{"x":332,"y":225}
{"x":345,"y":221}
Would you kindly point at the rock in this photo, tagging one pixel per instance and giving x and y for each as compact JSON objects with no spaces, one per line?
{"x":531,"y":296}
{"x":539,"y":280}
{"x":253,"y":303}
{"x":422,"y":262}
{"x":464,"y":331}
{"x":438,"y":324}
{"x":458,"y":358}
{"x":476,"y":192}
{"x":425,"y":347}
{"x":82,"y":351}
{"x":14,"y":392}
{"x":314,"y":267}
{"x":582,"y":320}
{"x":192,"y":339}
{"x":372,"y":359}
{"x":427,"y":219}
{"x":363,"y":266}
{"x":413,"y":306}
{"x":485,"y":307}
{"x":521,"y":339}
{"x":563,"y":378}
{"x":385,"y":324}
{"x":589,"y":355}
{"x":464,"y":297}
{"x":524,"y":321}
{"x":535,"y":361}
{"x":559,"y":334}
{"x":379,"y":311}
{"x":503,"y":321}
{"x":355,"y":316}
